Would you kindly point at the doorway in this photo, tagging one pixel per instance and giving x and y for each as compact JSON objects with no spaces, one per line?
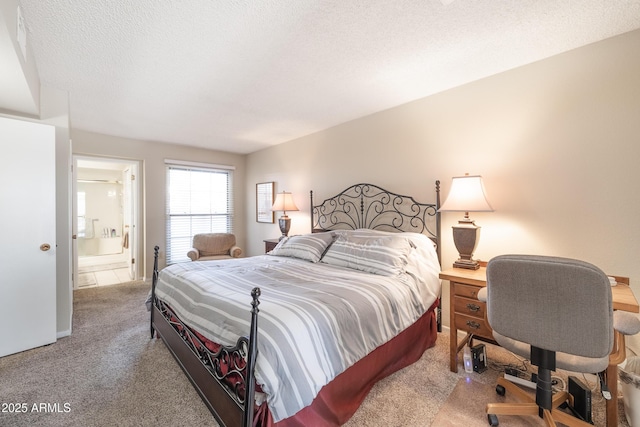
{"x":105,"y":216}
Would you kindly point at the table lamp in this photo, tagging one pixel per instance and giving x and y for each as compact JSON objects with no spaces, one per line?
{"x":284,"y":202}
{"x":466,"y":195}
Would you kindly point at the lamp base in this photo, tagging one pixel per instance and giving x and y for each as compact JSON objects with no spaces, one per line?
{"x":470,"y":264}
{"x":465,"y":236}
{"x":285,"y":224}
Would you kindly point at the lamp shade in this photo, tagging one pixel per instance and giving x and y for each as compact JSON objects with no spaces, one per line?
{"x":284,"y":202}
{"x":467,"y":194}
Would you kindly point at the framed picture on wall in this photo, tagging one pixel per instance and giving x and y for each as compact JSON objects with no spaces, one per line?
{"x":264,"y":201}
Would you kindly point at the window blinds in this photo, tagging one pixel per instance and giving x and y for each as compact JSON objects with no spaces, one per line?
{"x":199,"y":200}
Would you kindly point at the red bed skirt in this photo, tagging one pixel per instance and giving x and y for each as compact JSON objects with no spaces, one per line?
{"x":341,"y":398}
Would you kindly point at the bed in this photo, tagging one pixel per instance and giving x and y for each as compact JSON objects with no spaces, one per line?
{"x":299,"y":336}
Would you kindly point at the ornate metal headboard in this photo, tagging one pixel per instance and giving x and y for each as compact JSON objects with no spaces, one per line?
{"x":369,"y":206}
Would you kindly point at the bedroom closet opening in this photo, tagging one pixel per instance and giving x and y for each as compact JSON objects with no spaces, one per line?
{"x":105,"y":211}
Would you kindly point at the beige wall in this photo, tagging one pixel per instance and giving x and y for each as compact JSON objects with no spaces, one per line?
{"x":557,"y":142}
{"x":152,"y":156}
{"x":54,"y":106}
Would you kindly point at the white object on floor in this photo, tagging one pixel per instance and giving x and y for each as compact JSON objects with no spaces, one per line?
{"x":630,"y":381}
{"x":520,"y":381}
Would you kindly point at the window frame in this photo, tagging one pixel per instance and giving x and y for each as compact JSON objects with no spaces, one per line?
{"x":202,"y":221}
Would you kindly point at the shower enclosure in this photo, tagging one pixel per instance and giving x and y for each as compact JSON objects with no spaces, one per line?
{"x":100,"y":218}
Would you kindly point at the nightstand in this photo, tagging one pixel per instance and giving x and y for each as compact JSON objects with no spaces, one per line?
{"x":466,"y":312}
{"x":269,"y":244}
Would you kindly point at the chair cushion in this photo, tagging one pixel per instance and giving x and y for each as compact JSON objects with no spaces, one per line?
{"x":214,"y":257}
{"x":563,"y":360}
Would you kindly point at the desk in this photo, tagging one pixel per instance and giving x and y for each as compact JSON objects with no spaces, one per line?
{"x":624,"y":300}
{"x":468,"y":314}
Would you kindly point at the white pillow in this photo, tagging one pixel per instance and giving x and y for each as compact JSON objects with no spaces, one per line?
{"x":383,"y":255}
{"x":309,"y":247}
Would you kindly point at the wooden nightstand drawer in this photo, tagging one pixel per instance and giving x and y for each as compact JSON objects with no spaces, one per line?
{"x":269,"y":244}
{"x":470,"y":307}
{"x":466,"y":313}
{"x":473,"y":325}
{"x":467,"y":291}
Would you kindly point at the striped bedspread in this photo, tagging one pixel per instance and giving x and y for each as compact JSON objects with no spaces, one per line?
{"x":315,"y":320}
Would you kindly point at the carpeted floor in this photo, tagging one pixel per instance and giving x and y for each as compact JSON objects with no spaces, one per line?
{"x":109,"y":372}
{"x":464,"y":408}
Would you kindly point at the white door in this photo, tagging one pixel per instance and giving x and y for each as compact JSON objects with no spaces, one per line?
{"x":28,"y":243}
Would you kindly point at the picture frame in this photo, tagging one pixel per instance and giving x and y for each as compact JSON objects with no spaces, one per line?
{"x":264,"y":201}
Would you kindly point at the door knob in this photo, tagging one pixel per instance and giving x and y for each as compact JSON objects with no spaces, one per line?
{"x":45,"y":247}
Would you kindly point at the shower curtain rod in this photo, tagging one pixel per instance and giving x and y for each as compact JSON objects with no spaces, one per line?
{"x":99,"y":181}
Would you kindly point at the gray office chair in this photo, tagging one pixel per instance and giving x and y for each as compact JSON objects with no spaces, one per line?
{"x":556,"y":312}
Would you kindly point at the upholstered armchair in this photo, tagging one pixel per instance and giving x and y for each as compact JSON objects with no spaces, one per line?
{"x":212,"y":246}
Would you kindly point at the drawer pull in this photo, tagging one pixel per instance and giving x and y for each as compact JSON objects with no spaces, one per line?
{"x":473,"y":307}
{"x":473,"y":325}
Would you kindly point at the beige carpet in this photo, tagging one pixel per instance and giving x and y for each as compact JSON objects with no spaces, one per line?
{"x":110,"y":373}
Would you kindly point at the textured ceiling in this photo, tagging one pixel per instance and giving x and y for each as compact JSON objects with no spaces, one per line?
{"x":243,"y":75}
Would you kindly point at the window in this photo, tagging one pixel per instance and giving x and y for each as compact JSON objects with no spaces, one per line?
{"x":199,"y":200}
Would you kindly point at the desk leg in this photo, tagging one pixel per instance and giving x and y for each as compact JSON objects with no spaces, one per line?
{"x":453,"y":336}
{"x":612,"y":404}
{"x":453,"y":355}
{"x":618,"y":354}
{"x":453,"y":348}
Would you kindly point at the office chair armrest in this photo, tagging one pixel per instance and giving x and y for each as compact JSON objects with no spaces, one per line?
{"x":482,"y":295}
{"x":626,"y":323}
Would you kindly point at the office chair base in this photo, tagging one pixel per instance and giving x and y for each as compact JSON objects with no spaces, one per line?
{"x":529,"y":407}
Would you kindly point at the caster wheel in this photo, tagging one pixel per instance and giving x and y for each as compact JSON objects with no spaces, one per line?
{"x":493,"y":419}
{"x":500,"y":390}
